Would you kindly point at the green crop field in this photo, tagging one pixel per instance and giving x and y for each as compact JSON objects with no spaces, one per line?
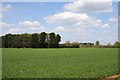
{"x":59,"y":63}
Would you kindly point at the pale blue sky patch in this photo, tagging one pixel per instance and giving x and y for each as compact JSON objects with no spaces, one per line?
{"x":59,"y":0}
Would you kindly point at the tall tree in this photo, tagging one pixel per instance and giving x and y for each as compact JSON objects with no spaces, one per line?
{"x":26,"y":38}
{"x":57,"y":40}
{"x":43,"y":43}
{"x":52,"y":40}
{"x":117,"y":45}
{"x":97,"y":43}
{"x":8,"y":40}
{"x":17,"y":41}
{"x":35,"y":40}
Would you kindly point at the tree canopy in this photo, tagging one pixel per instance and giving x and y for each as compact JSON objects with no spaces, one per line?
{"x":36,"y":40}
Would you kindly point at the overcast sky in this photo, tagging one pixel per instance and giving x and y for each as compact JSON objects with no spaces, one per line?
{"x":74,"y":21}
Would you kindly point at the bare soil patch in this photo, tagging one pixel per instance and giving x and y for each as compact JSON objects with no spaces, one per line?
{"x":114,"y":77}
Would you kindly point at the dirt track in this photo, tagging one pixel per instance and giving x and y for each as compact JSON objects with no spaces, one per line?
{"x":114,"y":77}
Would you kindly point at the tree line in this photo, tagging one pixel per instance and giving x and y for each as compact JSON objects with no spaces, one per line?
{"x":97,"y":44}
{"x":36,"y":40}
{"x":46,"y":40}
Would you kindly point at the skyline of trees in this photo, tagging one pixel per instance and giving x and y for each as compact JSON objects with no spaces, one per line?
{"x":97,"y":44}
{"x":46,"y":40}
{"x":36,"y":40}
